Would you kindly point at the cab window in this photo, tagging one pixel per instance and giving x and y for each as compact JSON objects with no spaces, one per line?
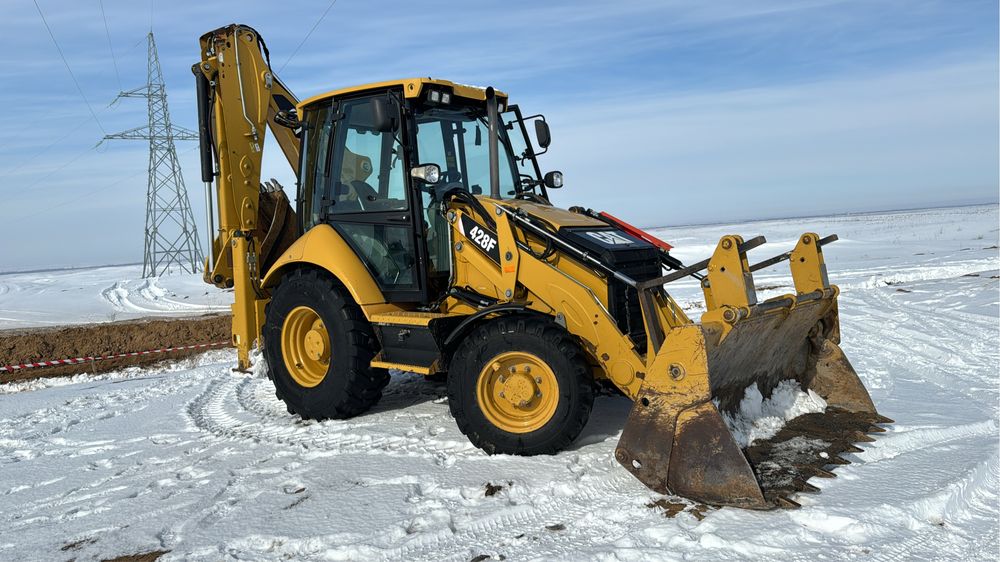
{"x":367,"y":171}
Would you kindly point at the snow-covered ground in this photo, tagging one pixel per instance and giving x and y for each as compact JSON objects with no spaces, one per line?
{"x":102,"y":294}
{"x":207,"y":464}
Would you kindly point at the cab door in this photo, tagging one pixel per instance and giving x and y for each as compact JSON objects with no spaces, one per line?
{"x":367,"y":199}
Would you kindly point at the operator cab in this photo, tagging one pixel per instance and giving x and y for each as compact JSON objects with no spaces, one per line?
{"x":378,"y":161}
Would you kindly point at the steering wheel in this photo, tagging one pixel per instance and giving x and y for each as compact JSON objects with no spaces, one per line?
{"x":364,"y":192}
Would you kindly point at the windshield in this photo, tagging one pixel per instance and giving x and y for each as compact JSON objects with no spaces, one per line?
{"x":457,"y":140}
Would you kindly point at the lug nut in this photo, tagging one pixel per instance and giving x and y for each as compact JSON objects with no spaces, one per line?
{"x":538,"y":380}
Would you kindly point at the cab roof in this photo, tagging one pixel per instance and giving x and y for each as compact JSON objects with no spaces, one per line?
{"x":412,"y":88}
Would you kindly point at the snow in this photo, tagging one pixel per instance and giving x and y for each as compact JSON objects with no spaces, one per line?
{"x":102,"y":294}
{"x":761,"y":418}
{"x":206,"y":463}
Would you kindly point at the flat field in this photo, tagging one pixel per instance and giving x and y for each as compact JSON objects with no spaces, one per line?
{"x":206,"y":464}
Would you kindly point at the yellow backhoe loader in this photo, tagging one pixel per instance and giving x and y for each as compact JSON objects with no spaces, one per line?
{"x":422,"y":239}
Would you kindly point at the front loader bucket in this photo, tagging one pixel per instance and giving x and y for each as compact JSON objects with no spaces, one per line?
{"x":676,"y":441}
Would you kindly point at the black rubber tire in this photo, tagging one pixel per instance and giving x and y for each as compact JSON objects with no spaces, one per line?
{"x":351,"y":385}
{"x":550,"y":343}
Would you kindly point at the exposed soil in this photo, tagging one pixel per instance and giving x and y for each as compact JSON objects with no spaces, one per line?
{"x":143,"y":557}
{"x":46,"y":344}
{"x":672,"y":508}
{"x":492,"y":489}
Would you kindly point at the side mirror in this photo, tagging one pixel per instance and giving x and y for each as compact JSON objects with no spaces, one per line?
{"x":428,"y":173}
{"x":553,"y":180}
{"x":542,"y":134}
{"x":382,"y":119}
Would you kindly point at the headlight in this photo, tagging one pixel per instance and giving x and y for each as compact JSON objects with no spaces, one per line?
{"x":430,"y":173}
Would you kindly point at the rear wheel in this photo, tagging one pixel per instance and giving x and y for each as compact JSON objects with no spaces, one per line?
{"x":520,"y":386}
{"x":318,"y":347}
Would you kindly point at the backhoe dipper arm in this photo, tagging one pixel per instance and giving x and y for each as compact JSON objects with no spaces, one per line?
{"x":238,"y":96}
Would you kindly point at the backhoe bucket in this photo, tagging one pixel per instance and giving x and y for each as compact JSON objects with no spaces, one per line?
{"x":676,"y":441}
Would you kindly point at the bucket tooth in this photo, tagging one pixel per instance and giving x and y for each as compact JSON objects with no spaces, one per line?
{"x":862,"y":437}
{"x":807,"y":487}
{"x":853,"y":449}
{"x":876,"y":429}
{"x":786,"y":503}
{"x":822,"y":473}
{"x":882,"y":419}
{"x":834,"y":459}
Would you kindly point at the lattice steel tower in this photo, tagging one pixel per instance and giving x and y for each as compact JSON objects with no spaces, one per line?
{"x":171,"y":233}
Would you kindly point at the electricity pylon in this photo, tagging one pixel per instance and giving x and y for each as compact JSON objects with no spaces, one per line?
{"x":171,"y":233}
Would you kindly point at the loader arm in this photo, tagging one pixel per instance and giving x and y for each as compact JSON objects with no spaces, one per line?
{"x":239,"y":97}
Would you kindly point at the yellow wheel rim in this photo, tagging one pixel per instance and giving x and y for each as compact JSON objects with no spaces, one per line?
{"x":517,"y":392}
{"x":305,"y":346}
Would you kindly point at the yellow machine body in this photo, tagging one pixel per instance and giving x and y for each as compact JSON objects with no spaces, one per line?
{"x":675,"y":439}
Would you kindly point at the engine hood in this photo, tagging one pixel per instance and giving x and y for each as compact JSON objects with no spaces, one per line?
{"x":554,"y":216}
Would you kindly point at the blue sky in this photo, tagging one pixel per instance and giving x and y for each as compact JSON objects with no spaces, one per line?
{"x":662,"y":112}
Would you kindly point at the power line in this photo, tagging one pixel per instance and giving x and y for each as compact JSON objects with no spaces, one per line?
{"x":62,"y":166}
{"x":68,"y":69}
{"x":64,"y":202}
{"x":31,"y":158}
{"x":21,"y":218}
{"x":306,"y":38}
{"x":111,"y":47}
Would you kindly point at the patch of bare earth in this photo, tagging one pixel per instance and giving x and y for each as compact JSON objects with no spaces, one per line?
{"x":143,"y":557}
{"x":32,"y":345}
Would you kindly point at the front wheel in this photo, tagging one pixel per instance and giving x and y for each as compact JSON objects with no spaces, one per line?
{"x":520,"y":386}
{"x":318,"y":346}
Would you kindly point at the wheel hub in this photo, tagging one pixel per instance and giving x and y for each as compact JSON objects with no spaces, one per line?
{"x":305,"y":346}
{"x":316,"y":344}
{"x":517,"y":392}
{"x":519,"y":389}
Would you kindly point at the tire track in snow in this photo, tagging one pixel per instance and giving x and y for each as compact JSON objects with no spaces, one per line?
{"x":242,"y":408}
{"x":218,"y":410}
{"x":943,"y":346}
{"x":148,"y":296}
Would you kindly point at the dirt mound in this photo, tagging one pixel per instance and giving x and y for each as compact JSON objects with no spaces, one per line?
{"x":92,"y":340}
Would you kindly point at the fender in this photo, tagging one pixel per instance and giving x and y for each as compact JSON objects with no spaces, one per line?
{"x":325,"y":248}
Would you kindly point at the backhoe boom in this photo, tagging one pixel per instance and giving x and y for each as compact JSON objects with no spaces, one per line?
{"x":239,"y":97}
